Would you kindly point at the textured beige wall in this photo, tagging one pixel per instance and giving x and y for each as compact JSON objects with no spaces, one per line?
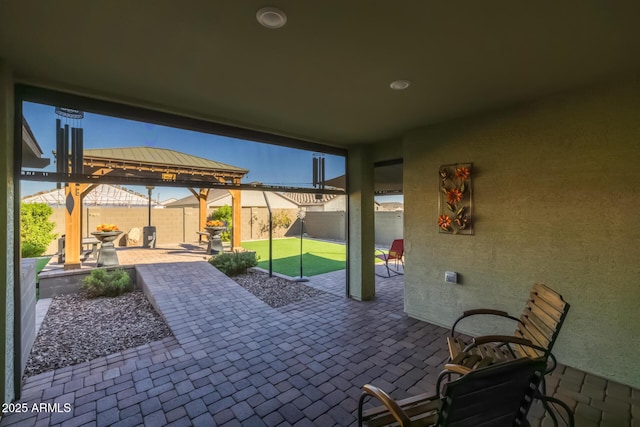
{"x":7,"y":215}
{"x":325,"y":225}
{"x":389,"y":226}
{"x":360,"y":269}
{"x":174,"y":225}
{"x":556,"y":201}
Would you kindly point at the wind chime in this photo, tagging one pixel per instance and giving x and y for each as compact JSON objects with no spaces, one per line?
{"x":318,"y":173}
{"x":69,"y":162}
{"x":69,"y":139}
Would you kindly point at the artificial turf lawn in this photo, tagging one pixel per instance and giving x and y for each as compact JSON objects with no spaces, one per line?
{"x":40,"y":265}
{"x":317,"y":257}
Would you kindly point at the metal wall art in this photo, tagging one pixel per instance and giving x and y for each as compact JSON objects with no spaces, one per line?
{"x":455,"y":199}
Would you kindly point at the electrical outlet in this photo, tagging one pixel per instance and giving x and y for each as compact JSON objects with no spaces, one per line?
{"x":451,"y":277}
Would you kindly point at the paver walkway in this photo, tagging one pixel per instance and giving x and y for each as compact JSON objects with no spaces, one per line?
{"x":236,"y":361}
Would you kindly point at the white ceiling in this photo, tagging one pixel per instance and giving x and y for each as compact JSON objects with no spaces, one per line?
{"x":325,"y":76}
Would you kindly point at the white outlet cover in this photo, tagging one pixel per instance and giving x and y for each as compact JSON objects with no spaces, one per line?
{"x":451,"y":277}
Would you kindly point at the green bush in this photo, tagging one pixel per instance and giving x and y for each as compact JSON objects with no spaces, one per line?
{"x":35,"y":229}
{"x":101,"y":282}
{"x":225,"y":214}
{"x":234,"y":263}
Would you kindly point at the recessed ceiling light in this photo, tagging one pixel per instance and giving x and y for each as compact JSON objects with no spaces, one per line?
{"x":400,"y":84}
{"x":270,"y":17}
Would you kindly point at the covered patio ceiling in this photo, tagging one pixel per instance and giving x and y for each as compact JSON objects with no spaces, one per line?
{"x":323,"y":77}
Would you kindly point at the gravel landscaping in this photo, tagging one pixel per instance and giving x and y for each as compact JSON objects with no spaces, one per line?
{"x":77,"y":329}
{"x":275,"y":291}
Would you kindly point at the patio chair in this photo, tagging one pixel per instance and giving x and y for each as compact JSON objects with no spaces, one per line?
{"x":497,"y":395}
{"x":536,"y":332}
{"x":396,"y":253}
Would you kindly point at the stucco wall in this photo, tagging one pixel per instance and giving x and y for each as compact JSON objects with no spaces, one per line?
{"x":556,"y":201}
{"x":325,"y":225}
{"x":27,"y":309}
{"x":389,"y":226}
{"x":6,"y":234}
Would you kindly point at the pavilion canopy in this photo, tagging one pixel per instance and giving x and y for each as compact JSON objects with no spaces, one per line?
{"x":158,"y":164}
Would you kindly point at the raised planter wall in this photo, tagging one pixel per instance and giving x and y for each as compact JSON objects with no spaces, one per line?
{"x":27,"y":309}
{"x":62,"y":282}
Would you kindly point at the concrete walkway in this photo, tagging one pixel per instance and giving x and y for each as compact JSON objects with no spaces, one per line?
{"x":235,"y":361}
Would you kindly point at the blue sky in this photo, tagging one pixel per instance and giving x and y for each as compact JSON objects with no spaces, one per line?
{"x":266,"y":163}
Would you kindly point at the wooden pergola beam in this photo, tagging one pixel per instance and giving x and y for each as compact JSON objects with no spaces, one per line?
{"x":74,"y":194}
{"x":133,"y":166}
{"x":72,"y":225}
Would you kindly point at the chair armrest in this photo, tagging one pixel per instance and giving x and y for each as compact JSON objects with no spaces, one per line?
{"x":475,"y":312}
{"x":485,"y":311}
{"x":551,"y":410}
{"x":504,"y":339}
{"x":457,"y":369}
{"x":394,"y":409}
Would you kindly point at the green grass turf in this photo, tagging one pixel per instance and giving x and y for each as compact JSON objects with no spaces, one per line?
{"x":40,"y":264}
{"x":317,"y":257}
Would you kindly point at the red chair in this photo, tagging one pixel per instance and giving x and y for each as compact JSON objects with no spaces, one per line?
{"x":396,"y":253}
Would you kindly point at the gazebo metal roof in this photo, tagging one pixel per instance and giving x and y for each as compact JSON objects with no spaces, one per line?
{"x":150,"y":162}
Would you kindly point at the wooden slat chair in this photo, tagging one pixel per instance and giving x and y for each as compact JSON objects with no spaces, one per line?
{"x":497,"y":395}
{"x":536,"y":332}
{"x":396,"y":253}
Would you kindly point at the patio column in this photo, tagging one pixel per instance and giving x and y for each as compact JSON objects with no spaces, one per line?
{"x":202,"y":208}
{"x":8,"y":218}
{"x":236,"y":229}
{"x":72,"y":223}
{"x":361,"y":223}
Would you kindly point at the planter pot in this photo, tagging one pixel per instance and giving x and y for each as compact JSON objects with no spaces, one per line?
{"x":107,"y":254}
{"x":215,"y":242}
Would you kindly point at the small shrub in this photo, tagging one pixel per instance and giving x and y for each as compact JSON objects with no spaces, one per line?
{"x":101,"y":282}
{"x":30,"y":250}
{"x":35,"y":229}
{"x":234,"y":263}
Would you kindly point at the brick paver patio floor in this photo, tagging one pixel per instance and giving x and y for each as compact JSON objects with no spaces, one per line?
{"x":235,"y":361}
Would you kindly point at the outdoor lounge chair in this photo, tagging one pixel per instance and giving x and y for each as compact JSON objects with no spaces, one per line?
{"x":396,"y":253}
{"x":536,"y":332}
{"x":497,"y":395}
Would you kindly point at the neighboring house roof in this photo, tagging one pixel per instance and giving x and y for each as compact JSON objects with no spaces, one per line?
{"x":249,"y":198}
{"x":168,"y":201}
{"x":191,"y":201}
{"x":31,"y":151}
{"x":391,"y":206}
{"x":309,"y":199}
{"x":103,"y":195}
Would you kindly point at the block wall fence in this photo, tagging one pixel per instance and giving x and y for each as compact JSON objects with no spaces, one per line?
{"x":180,"y":225}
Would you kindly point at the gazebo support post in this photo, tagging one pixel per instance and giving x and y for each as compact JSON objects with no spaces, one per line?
{"x":72,"y":224}
{"x":236,"y":229}
{"x":202,"y":195}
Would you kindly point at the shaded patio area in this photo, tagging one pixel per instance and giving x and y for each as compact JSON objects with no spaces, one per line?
{"x":234,"y":360}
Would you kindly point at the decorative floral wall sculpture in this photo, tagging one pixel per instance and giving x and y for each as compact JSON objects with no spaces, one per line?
{"x":455,"y":199}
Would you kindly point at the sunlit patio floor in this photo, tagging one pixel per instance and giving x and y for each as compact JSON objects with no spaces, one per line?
{"x":234,"y":360}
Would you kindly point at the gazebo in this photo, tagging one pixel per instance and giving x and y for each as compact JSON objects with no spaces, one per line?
{"x":142,"y":165}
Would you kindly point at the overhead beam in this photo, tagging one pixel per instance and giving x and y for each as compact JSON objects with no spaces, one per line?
{"x":105,"y":179}
{"x":132,"y":112}
{"x":221,"y":175}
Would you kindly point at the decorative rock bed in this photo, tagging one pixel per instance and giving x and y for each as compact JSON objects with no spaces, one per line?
{"x":275,"y":291}
{"x":77,"y":329}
